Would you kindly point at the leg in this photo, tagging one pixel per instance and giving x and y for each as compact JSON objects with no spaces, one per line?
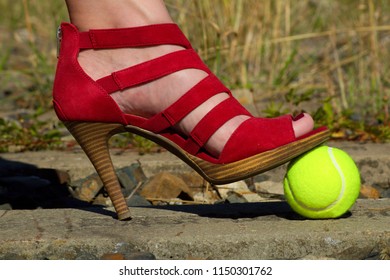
{"x":149,"y":99}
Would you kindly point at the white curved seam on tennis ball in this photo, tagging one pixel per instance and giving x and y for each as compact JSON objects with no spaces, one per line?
{"x":342,"y":177}
{"x":343,"y":184}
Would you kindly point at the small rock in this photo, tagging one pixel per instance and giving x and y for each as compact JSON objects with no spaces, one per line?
{"x":166,"y":186}
{"x":136,"y":201}
{"x":252,"y":197}
{"x":206,"y":196}
{"x":224,"y":190}
{"x":270,"y":189}
{"x":129,"y":177}
{"x":234,"y":197}
{"x":192,"y":179}
{"x":202,"y":191}
{"x":244,"y":197}
{"x":240,"y":189}
{"x":369,"y":192}
{"x":88,"y":188}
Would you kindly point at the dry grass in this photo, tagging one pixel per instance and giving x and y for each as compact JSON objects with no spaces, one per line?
{"x":331,"y":58}
{"x":303,"y":49}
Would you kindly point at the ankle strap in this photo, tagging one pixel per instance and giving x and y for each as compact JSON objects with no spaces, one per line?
{"x":150,"y":35}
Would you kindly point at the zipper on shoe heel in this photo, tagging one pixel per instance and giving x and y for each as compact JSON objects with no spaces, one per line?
{"x":59,"y":39}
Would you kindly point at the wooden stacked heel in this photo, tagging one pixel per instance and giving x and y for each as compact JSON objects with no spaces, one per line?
{"x":93,"y":139}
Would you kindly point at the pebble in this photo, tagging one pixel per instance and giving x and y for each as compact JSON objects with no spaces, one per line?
{"x":137,"y":200}
{"x":367,"y":191}
{"x":88,"y":188}
{"x":225,"y":190}
{"x":165,"y":186}
{"x":130,"y":177}
{"x":269,"y":187}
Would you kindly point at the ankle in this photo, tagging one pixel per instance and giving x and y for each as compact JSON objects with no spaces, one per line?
{"x":102,"y":14}
{"x":100,"y":63}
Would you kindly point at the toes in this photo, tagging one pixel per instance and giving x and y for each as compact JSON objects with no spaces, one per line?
{"x":303,"y":124}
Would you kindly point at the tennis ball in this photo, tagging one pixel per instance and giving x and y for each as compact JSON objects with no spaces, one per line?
{"x":322,"y":183}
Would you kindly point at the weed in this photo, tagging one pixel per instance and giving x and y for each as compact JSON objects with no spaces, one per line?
{"x":27,"y":133}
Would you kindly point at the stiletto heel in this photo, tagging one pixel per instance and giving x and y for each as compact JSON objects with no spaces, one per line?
{"x":93,"y":139}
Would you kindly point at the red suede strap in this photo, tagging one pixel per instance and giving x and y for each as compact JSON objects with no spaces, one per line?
{"x":213,"y":120}
{"x":151,"y":70}
{"x":142,"y":36}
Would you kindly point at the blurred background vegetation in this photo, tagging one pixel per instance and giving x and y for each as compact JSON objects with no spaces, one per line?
{"x":330,"y":58}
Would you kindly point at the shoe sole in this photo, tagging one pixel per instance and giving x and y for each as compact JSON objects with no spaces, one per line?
{"x":220,"y":174}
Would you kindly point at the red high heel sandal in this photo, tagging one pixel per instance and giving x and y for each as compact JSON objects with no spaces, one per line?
{"x":92,"y":116}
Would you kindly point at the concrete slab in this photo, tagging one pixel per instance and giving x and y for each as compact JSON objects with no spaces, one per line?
{"x":268,"y":230}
